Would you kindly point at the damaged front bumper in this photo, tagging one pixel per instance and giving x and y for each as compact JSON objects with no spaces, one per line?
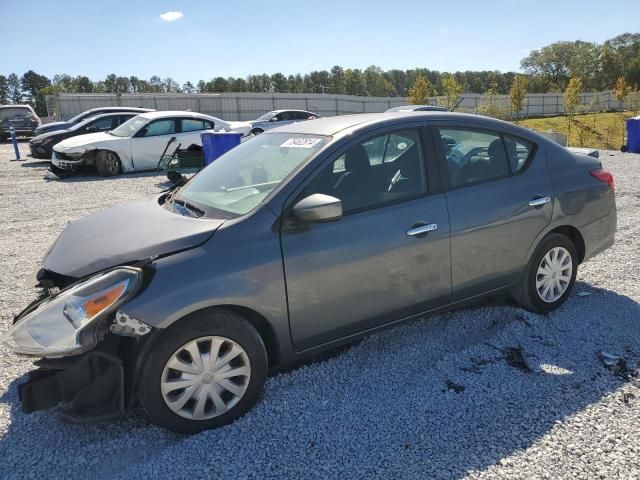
{"x":70,"y":162}
{"x":90,"y":386}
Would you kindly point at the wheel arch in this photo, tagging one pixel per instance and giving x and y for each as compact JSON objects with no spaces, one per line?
{"x":573,"y":234}
{"x":569,"y":231}
{"x":256,"y":319}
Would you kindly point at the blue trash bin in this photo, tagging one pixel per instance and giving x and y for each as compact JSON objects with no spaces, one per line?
{"x":215,"y":144}
{"x":633,"y":134}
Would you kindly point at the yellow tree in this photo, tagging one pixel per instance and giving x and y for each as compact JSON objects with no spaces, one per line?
{"x":451,"y":89}
{"x":572,"y":100}
{"x":621,"y":90}
{"x":420,"y":91}
{"x":518,"y":94}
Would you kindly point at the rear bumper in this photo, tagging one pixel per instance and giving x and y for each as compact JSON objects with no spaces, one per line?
{"x":30,"y":131}
{"x":599,"y":234}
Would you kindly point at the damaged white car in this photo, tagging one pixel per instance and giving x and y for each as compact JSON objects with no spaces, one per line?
{"x":138,"y":143}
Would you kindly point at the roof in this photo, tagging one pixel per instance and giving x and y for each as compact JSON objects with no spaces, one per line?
{"x":174,"y":113}
{"x":348,"y":123}
{"x":122,"y":109}
{"x":291,"y":110}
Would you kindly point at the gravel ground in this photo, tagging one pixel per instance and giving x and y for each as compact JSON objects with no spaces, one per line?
{"x":493,"y":392}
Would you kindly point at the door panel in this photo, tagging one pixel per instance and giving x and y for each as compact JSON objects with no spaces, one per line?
{"x":364,"y":270}
{"x":492,"y":224}
{"x":146,"y":151}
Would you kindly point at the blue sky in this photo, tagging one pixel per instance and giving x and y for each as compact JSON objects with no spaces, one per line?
{"x":235,"y":38}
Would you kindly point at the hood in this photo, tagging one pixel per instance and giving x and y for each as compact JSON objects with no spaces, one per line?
{"x":43,"y":136}
{"x":49,"y":127}
{"x":122,"y":234}
{"x":84,"y":140}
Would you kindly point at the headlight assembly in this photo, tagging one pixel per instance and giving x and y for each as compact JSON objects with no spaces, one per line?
{"x":67,"y":324}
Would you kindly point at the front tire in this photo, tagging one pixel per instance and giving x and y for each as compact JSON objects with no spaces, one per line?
{"x":549,"y":276}
{"x":108,"y":164}
{"x":205,"y":372}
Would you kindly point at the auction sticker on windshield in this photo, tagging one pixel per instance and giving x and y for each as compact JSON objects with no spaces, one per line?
{"x":300,"y":143}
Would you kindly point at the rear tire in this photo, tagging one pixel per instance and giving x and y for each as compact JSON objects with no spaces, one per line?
{"x":189,"y":345}
{"x":108,"y":164}
{"x":550,"y":275}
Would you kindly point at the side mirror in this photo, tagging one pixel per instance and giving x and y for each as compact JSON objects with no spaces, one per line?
{"x":318,"y":208}
{"x":274,"y":119}
{"x":92,"y":129}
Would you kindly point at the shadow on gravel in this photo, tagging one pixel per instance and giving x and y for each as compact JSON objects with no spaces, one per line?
{"x":437,"y":398}
{"x":33,"y":163}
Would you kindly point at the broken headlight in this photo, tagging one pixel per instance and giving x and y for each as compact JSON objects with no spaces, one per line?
{"x":67,"y":323}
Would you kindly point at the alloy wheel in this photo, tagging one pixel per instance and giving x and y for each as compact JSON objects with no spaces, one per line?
{"x":205,"y":378}
{"x":553,"y":276}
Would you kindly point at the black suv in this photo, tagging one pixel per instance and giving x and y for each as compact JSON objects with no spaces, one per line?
{"x":22,"y":118}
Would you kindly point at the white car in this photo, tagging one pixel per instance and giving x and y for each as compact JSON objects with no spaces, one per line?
{"x":138,"y":143}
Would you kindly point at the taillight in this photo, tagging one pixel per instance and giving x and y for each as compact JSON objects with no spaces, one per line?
{"x":604,"y":177}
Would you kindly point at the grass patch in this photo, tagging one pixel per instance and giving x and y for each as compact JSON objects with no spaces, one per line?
{"x":595,"y":130}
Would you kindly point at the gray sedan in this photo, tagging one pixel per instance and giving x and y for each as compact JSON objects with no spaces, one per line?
{"x":278,"y":118}
{"x":297,"y":241}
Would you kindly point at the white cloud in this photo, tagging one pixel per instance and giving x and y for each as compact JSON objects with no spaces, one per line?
{"x":171,"y":16}
{"x":442,"y":30}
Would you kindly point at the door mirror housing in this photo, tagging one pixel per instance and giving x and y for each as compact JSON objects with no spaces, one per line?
{"x":318,"y":208}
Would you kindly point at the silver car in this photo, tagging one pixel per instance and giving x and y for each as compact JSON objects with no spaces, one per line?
{"x":278,"y":118}
{"x":299,"y":240}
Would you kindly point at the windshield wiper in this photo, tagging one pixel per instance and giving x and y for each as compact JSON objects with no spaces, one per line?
{"x":195,"y":211}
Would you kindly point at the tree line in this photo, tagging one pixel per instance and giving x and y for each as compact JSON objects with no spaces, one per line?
{"x":549,"y":69}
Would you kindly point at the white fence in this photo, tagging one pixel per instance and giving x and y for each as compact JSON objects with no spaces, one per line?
{"x":247,"y":106}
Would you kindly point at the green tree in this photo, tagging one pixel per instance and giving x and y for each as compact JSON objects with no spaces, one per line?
{"x":451,"y":89}
{"x":31,"y":83}
{"x":354,"y":82}
{"x":4,"y":90}
{"x":171,"y":86}
{"x":572,"y":101}
{"x":337,"y":83}
{"x":491,"y":102}
{"x":518,"y":94}
{"x":156,"y":85}
{"x":279,"y":83}
{"x":420,"y":91}
{"x":188,"y":87}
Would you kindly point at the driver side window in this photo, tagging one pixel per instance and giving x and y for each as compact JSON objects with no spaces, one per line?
{"x":161,"y":127}
{"x":382,"y":169}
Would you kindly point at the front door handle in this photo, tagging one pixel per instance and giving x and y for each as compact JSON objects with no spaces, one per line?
{"x":422,"y":229}
{"x":539,"y":201}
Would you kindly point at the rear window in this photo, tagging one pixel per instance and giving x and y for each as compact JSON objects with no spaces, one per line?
{"x":11,"y":112}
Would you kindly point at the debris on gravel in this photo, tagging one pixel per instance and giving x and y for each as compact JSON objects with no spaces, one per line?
{"x":490,"y":392}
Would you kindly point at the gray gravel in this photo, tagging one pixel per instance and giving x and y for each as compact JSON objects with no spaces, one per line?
{"x":445,"y":397}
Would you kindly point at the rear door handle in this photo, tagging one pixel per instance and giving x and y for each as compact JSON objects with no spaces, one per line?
{"x":422,"y":229}
{"x":539,"y":201}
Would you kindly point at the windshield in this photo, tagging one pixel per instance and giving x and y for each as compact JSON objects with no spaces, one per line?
{"x":14,"y":112}
{"x":241,"y":178}
{"x":265,"y":117}
{"x":129,"y":127}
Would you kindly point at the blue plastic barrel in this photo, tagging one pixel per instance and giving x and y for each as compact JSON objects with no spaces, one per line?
{"x":215,"y":144}
{"x":633,"y":134}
